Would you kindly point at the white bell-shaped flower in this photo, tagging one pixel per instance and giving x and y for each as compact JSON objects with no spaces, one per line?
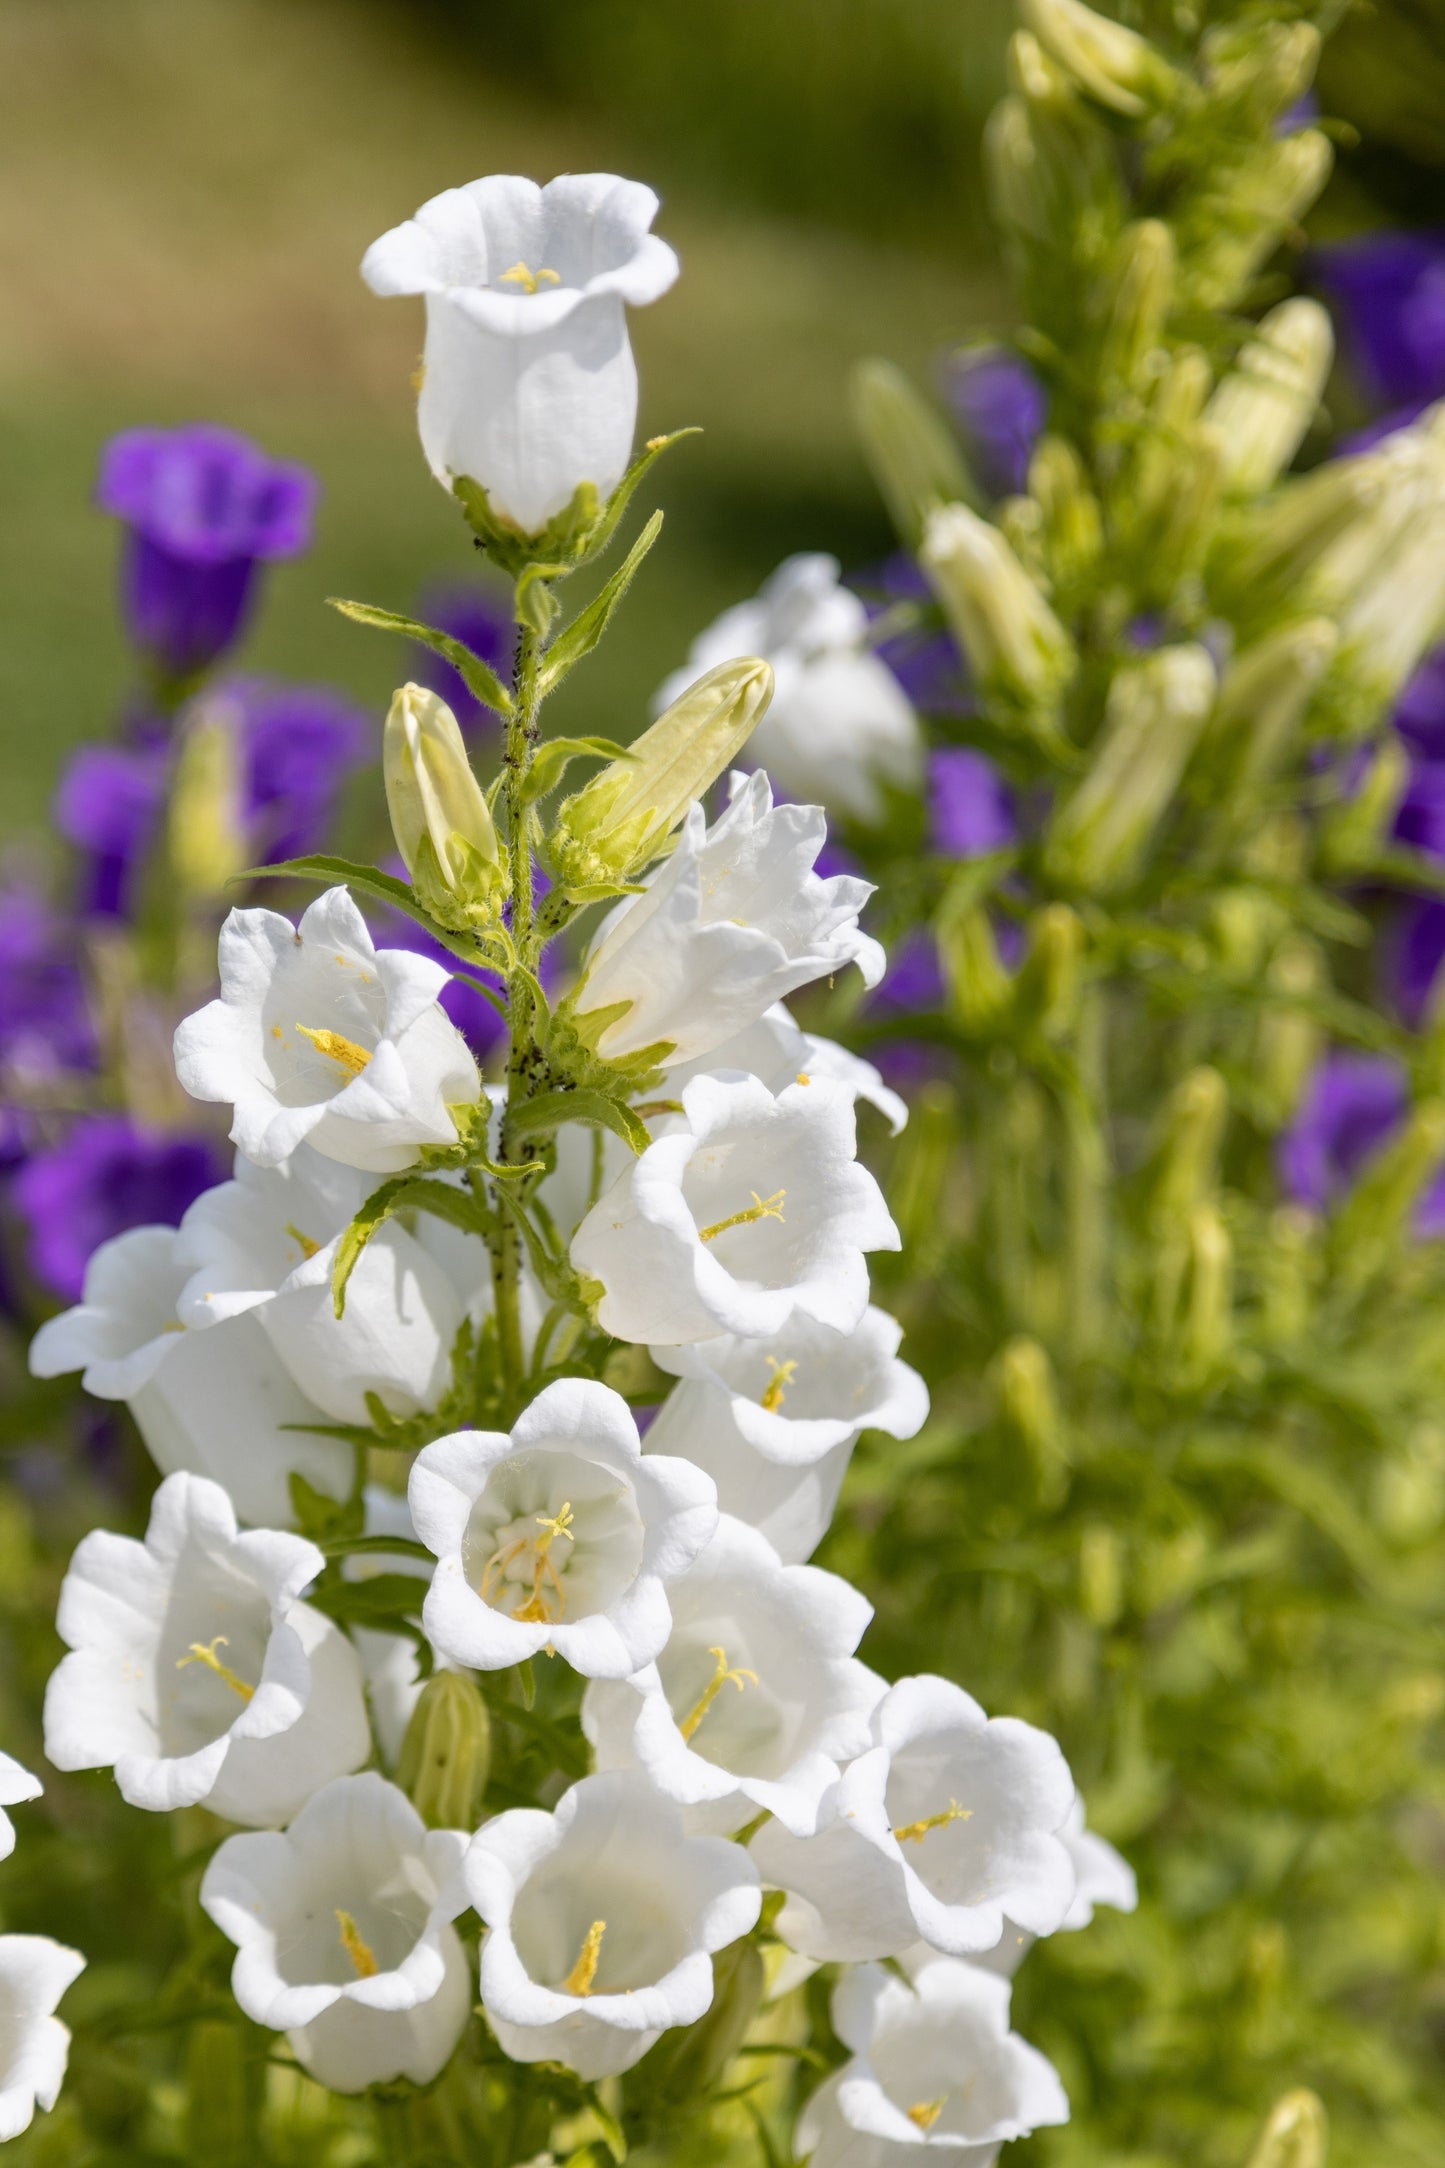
{"x":1102,"y":1877}
{"x":774,"y":1421}
{"x":949,"y":1824}
{"x":319,"y":1037}
{"x":776,"y":1049}
{"x":750,"y":1211}
{"x":557,"y":1534}
{"x":528,"y":385}
{"x":34,"y":2044}
{"x":840,"y":725}
{"x":342,"y":1926}
{"x":757,"y":1697}
{"x":218,"y":1403}
{"x":934,"y":2068}
{"x":195,"y":1672}
{"x":264,"y":1245}
{"x":604,"y":1916}
{"x":16,"y":1785}
{"x":734,"y":919}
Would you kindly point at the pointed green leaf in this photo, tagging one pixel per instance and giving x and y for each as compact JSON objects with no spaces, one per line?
{"x":425,"y":1193}
{"x":479,"y":677}
{"x":587,"y":628}
{"x":618,"y":502}
{"x":372,"y":882}
{"x":557,"y":755}
{"x":551,"y":1109}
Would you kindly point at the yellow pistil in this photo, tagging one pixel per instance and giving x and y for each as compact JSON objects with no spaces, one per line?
{"x":335,"y":1048}
{"x":204,"y":1652}
{"x":521,"y":274}
{"x":533,"y":1609}
{"x":925,"y":2113}
{"x":584,"y":1972}
{"x":304,"y":1243}
{"x":720,"y":1678}
{"x":761,"y":1208}
{"x":777,"y":1384}
{"x":915,"y":1832}
{"x":362,"y":1956}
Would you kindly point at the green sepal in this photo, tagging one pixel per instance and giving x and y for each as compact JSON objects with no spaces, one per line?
{"x":587,"y":628}
{"x":557,"y":755}
{"x":326,"y":1520}
{"x":551,"y":1109}
{"x":479,"y":677}
{"x":424,"y":1193}
{"x":372,"y":882}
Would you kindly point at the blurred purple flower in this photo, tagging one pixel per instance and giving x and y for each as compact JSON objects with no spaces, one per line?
{"x":913,"y":981}
{"x":1354,"y":1104}
{"x":298,"y":743}
{"x":1421,"y":818}
{"x":471,"y":1012}
{"x":45,"y":1026}
{"x":926,"y":662}
{"x":1001,"y":407}
{"x":203,"y":507}
{"x":481,"y":618}
{"x":1420,"y":715}
{"x":109,"y":805}
{"x":105,"y":1176}
{"x":1413,"y":956}
{"x":970,"y":807}
{"x":1389,"y":287}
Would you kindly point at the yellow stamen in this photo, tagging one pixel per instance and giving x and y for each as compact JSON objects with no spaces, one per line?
{"x":304,"y":1243}
{"x":203,"y":1652}
{"x":533,"y":1610}
{"x":925,"y":2113}
{"x":584,"y":1972}
{"x":719,"y":1680}
{"x":362,"y":1956}
{"x":335,"y":1048}
{"x":521,"y":274}
{"x":777,"y":1384}
{"x":915,"y":1832}
{"x":761,"y":1208}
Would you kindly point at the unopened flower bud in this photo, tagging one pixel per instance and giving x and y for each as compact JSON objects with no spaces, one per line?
{"x":1288,"y":1270}
{"x":1049,"y":982}
{"x":1050,"y":163}
{"x":1113,"y":65}
{"x":921,"y":1170}
{"x":1267,"y":194}
{"x":914,"y":456}
{"x":1263,"y":67}
{"x":1155,"y":713}
{"x":1012,"y":638}
{"x":1189,"y":1155}
{"x":1143,"y":289}
{"x":1029,"y":1402}
{"x":1354,"y":833}
{"x":1266,"y":403}
{"x":1101,"y":1575}
{"x":439,"y":814}
{"x":206,"y":836}
{"x":447,"y":1751}
{"x":1268,"y":554}
{"x":686,"y":2062}
{"x":1209,"y":1313}
{"x":980,"y":990}
{"x":1262,"y":698}
{"x":1374,"y":1221}
{"x":1073,"y":527}
{"x":1296,"y":2134}
{"x":1289,"y":1040}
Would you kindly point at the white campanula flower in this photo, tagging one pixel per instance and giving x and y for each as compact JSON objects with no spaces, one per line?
{"x":218,"y":1403}
{"x":16,"y":1785}
{"x":776,"y":1049}
{"x":34,"y":2044}
{"x":934,"y":2069}
{"x":949,"y":1824}
{"x":556,"y":1535}
{"x":756,"y":1698}
{"x":604,"y":1916}
{"x":1102,"y":1876}
{"x":840,"y":724}
{"x":319,"y":1037}
{"x":529,"y":386}
{"x":342,"y":1926}
{"x":263,"y":1245}
{"x":774,"y":1421}
{"x":734,"y":919}
{"x":750,"y":1211}
{"x":195,"y":1672}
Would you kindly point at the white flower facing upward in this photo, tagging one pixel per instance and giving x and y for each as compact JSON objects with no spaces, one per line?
{"x":342,"y":1926}
{"x":840,"y":724}
{"x":195,"y":1672}
{"x":216,"y":1403}
{"x":604,"y":1916}
{"x":264,"y":1244}
{"x":776,"y":1049}
{"x":949,"y":1824}
{"x":934,"y":2068}
{"x":556,"y":1535}
{"x":529,"y":386}
{"x":734,"y":919}
{"x":34,"y":2044}
{"x":16,"y":1785}
{"x":1102,"y":1877}
{"x":319,"y":1037}
{"x":774,"y":1421}
{"x":750,"y":1211}
{"x":757,"y":1697}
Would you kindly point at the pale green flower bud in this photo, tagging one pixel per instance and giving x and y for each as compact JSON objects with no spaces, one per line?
{"x":1270,"y":553}
{"x":687,"y":2061}
{"x":1263,"y":695}
{"x":1288,"y":1271}
{"x":1265,"y":67}
{"x":1049,"y":983}
{"x":1373,"y":1222}
{"x":1188,"y":1159}
{"x":1113,"y":65}
{"x":1143,"y":289}
{"x":980,"y":990}
{"x":447,"y":1751}
{"x":1012,"y":638}
{"x":1073,"y":527}
{"x":1289,"y":1041}
{"x":439,"y":815}
{"x":1101,"y":1575}
{"x":206,"y":835}
{"x":1052,"y":172}
{"x":1296,"y":2135}
{"x":1238,"y":224}
{"x":1208,"y":1325}
{"x":1264,"y":406}
{"x":1354,"y":833}
{"x":1029,"y":1402}
{"x":913,"y":455}
{"x":1401,"y":611}
{"x":1155,"y":713}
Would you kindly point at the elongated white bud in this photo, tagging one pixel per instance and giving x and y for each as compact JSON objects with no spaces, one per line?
{"x":1113,"y":65}
{"x":1266,"y":403}
{"x":432,"y":795}
{"x":1011,"y":636}
{"x":1155,"y":714}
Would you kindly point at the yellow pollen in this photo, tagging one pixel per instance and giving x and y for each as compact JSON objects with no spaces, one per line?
{"x":720,"y":1678}
{"x":362,"y":1956}
{"x":277,"y":1032}
{"x":534,"y":1609}
{"x":925,"y":2113}
{"x":418,"y":378}
{"x":304,"y":1243}
{"x":778,"y":1384}
{"x":522,"y":275}
{"x":915,"y":1832}
{"x":204,"y":1652}
{"x":802,"y":1077}
{"x":761,"y":1208}
{"x":335,"y":1048}
{"x":584,"y":1972}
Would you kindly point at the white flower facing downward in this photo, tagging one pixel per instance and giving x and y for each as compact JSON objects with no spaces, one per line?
{"x":529,"y":386}
{"x":950,"y":1823}
{"x":264,"y":1244}
{"x":195,"y":1673}
{"x":731,"y":922}
{"x":342,"y":1925}
{"x":34,"y":2044}
{"x":757,"y":1697}
{"x":217,"y":1403}
{"x":319,"y":1037}
{"x":556,"y":1535}
{"x":840,"y":724}
{"x":604,"y":1916}
{"x":16,"y":1785}
{"x":934,"y":2068}
{"x":750,"y":1211}
{"x":774,"y":1421}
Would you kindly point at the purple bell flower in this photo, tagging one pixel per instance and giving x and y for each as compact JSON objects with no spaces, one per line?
{"x":109,"y":806}
{"x":45,"y":1026}
{"x":1420,"y":715}
{"x":105,"y":1176}
{"x":203,"y":507}
{"x":1001,"y":407}
{"x":1420,"y":820}
{"x":926,"y":663}
{"x":1354,"y":1105}
{"x":481,"y":618}
{"x":1414,"y":954}
{"x":913,"y":981}
{"x":970,"y":807}
{"x":299,"y":743}
{"x":1389,"y":288}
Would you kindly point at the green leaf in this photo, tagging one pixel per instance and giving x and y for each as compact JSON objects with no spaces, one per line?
{"x":611,"y":2129}
{"x":326,"y":1520}
{"x":557,"y":755}
{"x":479,"y":677}
{"x":424,"y":1192}
{"x":618,"y":502}
{"x":587,"y":628}
{"x":382,"y":1600}
{"x":551,"y":1109}
{"x":366,"y":1546}
{"x":372,"y":882}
